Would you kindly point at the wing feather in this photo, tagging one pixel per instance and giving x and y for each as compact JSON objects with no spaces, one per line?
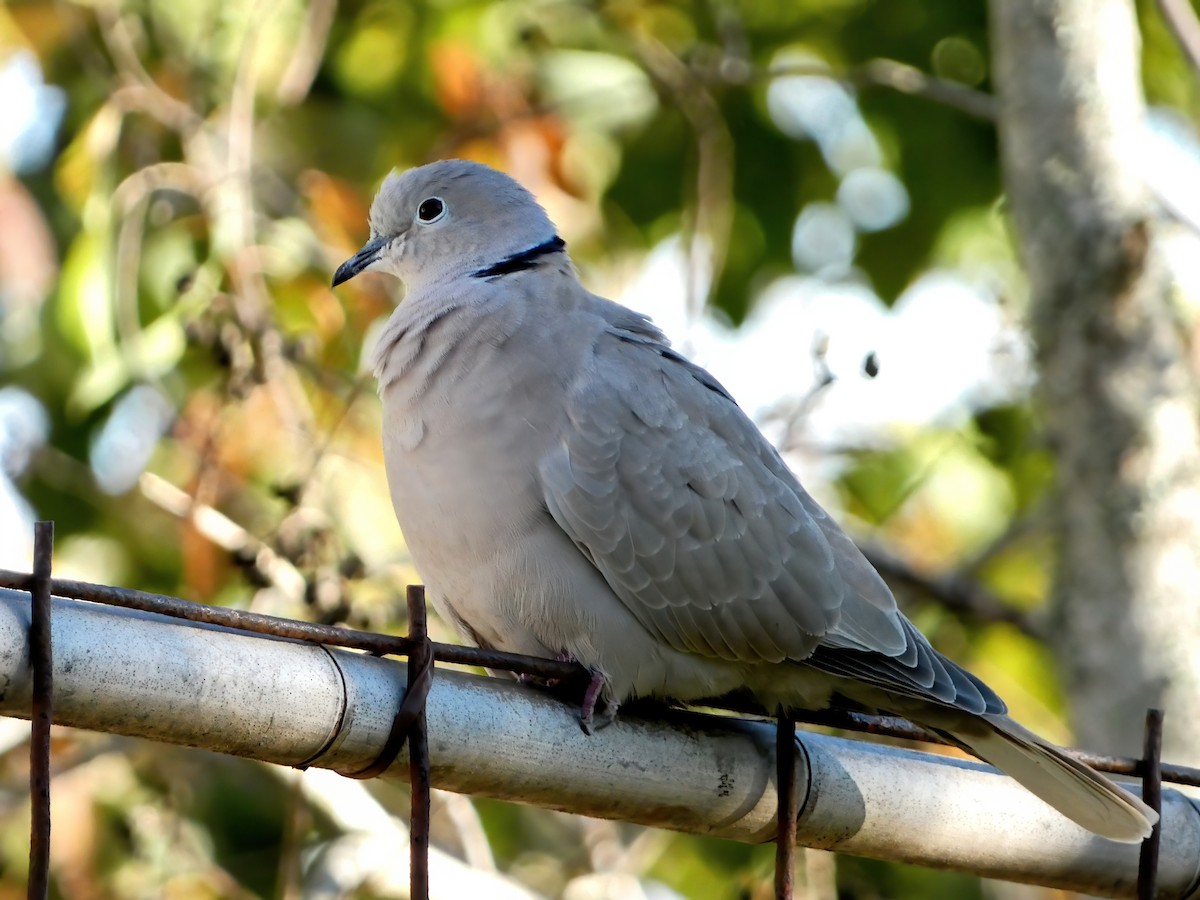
{"x":710,"y":541}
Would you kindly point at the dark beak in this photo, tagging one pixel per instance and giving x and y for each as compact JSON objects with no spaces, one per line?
{"x":359,"y":261}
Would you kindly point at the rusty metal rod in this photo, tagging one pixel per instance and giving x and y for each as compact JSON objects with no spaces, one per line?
{"x":384,"y":644}
{"x":418,"y":752}
{"x":896,"y":727}
{"x":1147,"y":886}
{"x":41,"y":661}
{"x":789,"y":806}
{"x":257,"y":623}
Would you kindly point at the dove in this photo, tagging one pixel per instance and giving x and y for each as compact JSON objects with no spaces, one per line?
{"x":571,"y":486}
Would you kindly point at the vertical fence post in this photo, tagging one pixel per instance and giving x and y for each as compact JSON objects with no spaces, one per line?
{"x":418,"y":750}
{"x":785,"y":786}
{"x":1152,"y":795}
{"x":41,"y":660}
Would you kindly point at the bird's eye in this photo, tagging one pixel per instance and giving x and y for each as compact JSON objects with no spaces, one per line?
{"x":431,"y":209}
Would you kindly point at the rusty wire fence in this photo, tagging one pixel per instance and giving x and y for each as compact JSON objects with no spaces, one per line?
{"x":409,"y":725}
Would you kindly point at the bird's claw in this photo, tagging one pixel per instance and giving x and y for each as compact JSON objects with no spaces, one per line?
{"x":589,"y":720}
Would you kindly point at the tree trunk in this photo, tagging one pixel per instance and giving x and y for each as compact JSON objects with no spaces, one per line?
{"x":1116,"y":389}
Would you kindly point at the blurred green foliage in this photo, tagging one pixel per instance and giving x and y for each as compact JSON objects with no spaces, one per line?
{"x":216,"y":161}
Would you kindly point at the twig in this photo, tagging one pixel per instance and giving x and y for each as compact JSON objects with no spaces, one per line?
{"x":909,"y":80}
{"x":132,"y":199}
{"x":468,"y":826}
{"x":139,"y":86}
{"x":370,"y":851}
{"x":308,"y":54}
{"x":954,"y":591}
{"x":1185,"y":27}
{"x":358,"y":387}
{"x":712,"y":218}
{"x":225,"y":533}
{"x":884,"y":73}
{"x":298,"y":819}
{"x":794,"y":412}
{"x":1019,"y":528}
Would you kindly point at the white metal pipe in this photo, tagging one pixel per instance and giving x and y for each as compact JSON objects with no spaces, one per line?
{"x":150,"y":676}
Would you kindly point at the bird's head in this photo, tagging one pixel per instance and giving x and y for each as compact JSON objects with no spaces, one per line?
{"x":445,"y":220}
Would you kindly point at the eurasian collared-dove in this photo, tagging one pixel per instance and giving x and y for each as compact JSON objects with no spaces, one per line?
{"x":569,"y":485}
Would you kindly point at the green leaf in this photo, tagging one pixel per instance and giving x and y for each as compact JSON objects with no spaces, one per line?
{"x":83,"y":307}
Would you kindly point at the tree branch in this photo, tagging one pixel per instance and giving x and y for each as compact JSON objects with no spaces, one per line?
{"x":1117,"y":392}
{"x":1185,"y":27}
{"x":955,"y":591}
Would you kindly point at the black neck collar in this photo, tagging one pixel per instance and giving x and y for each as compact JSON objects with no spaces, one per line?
{"x":526,"y":259}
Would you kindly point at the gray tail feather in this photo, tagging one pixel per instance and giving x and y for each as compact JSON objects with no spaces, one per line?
{"x":1077,"y":791}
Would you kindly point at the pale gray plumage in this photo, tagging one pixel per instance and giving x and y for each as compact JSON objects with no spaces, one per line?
{"x":569,"y":484}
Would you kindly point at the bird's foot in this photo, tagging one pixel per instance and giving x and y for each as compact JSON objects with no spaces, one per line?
{"x":589,"y":720}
